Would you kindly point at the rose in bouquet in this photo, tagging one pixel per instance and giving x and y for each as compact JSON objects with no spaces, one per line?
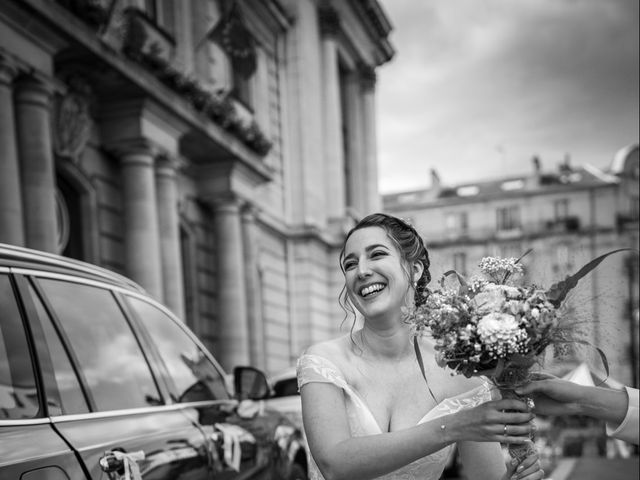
{"x":495,"y":327}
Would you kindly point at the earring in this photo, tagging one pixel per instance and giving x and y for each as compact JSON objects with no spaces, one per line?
{"x":415,"y":285}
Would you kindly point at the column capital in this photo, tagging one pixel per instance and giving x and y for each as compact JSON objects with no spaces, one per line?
{"x":167,"y":164}
{"x":250,"y":212}
{"x":329,"y":21}
{"x":227,"y":202}
{"x":34,"y":89}
{"x":367,"y":75}
{"x":8,"y":69}
{"x":134,"y":147}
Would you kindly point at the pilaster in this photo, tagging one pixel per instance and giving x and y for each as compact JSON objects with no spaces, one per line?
{"x":232,"y":329}
{"x":169,"y":233}
{"x":33,"y":122}
{"x":355,"y":138}
{"x":333,"y":143}
{"x":255,"y":319}
{"x":11,"y":223}
{"x":371,"y":195}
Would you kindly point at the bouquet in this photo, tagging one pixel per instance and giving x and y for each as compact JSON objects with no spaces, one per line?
{"x":493,"y":327}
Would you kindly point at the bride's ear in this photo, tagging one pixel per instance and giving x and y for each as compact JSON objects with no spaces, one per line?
{"x":416,"y":271}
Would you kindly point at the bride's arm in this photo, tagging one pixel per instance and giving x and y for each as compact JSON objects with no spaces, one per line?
{"x":341,"y":456}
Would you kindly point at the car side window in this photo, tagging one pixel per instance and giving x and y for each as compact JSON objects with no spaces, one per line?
{"x":286,"y":388}
{"x":194,"y":376}
{"x":107,"y":353}
{"x":71,"y":398}
{"x":18,"y":391}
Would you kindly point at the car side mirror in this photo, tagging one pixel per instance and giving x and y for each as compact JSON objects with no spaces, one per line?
{"x":250,"y":383}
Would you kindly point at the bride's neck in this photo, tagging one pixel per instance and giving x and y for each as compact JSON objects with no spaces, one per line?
{"x":390,"y":344}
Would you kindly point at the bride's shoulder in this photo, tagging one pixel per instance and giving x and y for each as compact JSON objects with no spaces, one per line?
{"x":330,"y":349}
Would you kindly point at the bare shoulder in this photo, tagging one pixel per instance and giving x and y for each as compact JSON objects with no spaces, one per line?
{"x":329,"y":349}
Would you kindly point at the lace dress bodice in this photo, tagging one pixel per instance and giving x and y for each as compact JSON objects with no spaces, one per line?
{"x":314,"y":368}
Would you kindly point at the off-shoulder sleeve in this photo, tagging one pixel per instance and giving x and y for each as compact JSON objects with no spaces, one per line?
{"x":314,"y":368}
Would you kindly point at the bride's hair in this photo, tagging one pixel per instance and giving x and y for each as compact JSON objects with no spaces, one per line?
{"x":409,"y":244}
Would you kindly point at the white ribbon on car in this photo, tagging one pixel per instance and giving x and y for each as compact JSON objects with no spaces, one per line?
{"x":232,"y":436}
{"x":130,"y":464}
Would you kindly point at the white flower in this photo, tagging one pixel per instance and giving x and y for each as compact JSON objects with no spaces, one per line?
{"x":498,"y":328}
{"x":535,"y":313}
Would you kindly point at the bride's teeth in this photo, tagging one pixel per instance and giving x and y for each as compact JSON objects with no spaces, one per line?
{"x":371,"y":289}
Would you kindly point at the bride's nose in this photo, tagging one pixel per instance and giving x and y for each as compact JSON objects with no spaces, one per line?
{"x":363,"y":269}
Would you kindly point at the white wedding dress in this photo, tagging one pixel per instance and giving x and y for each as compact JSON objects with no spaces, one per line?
{"x":314,"y":368}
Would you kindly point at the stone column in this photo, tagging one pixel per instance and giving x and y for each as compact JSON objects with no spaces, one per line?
{"x":11,"y":224}
{"x":371,"y":195}
{"x":33,"y":111}
{"x":332,"y":138}
{"x":169,"y":233}
{"x":142,"y":244}
{"x":232,"y":328}
{"x":254,"y":289}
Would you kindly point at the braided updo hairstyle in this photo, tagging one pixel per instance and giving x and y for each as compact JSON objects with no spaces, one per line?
{"x":408,"y":242}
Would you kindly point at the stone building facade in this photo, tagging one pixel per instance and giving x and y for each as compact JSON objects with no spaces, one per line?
{"x":568,"y":216}
{"x":214,"y":151}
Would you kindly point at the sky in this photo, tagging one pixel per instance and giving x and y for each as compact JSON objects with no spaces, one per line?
{"x":476,"y":88}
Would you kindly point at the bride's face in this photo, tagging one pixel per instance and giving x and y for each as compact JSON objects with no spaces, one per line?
{"x":375,"y":279}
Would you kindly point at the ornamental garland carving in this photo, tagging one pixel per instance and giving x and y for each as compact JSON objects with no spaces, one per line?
{"x":73,"y":123}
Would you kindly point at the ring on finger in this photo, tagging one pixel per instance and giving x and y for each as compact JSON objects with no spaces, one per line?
{"x":531,"y":404}
{"x":505,"y":429}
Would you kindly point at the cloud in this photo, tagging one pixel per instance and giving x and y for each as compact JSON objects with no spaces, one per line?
{"x":479,"y":86}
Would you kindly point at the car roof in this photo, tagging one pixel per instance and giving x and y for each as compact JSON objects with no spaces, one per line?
{"x":20,"y":257}
{"x":286,"y":374}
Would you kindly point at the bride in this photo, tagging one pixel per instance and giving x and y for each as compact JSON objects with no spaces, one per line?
{"x":368,"y":412}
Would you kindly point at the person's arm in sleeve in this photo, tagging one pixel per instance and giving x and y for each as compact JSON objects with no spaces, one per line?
{"x":627,"y":430}
{"x":554,"y":396}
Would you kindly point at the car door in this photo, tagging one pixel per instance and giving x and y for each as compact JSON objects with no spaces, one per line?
{"x":107,"y":404}
{"x":244,"y":442}
{"x":30,"y":448}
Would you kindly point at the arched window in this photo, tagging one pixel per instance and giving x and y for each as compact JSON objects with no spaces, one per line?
{"x":69,"y":239}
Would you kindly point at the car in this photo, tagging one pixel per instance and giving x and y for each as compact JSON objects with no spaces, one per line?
{"x":284,"y":395}
{"x":100,"y":381}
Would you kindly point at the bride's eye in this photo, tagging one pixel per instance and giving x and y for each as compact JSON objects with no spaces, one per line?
{"x":378,"y":253}
{"x":348,"y":265}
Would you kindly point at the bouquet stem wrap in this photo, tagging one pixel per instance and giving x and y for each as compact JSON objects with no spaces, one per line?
{"x":506,"y":382}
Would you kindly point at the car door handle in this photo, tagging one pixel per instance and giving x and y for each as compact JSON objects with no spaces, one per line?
{"x":123,"y":464}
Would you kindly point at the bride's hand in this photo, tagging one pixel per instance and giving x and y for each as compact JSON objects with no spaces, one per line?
{"x":506,"y":421}
{"x":528,"y":469}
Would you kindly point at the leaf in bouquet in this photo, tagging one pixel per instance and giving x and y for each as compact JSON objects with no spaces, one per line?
{"x":558,"y":291}
{"x":499,"y":368}
{"x":464,"y":287}
{"x":467,"y":370}
{"x":508,"y":274}
{"x":603,"y":357}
